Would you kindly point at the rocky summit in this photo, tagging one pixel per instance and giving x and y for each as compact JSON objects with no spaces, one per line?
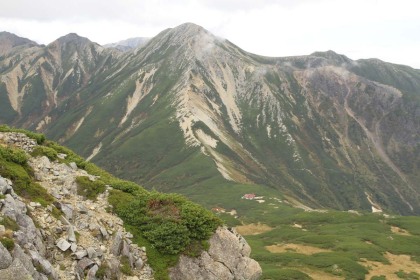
{"x":189,"y":112}
{"x":79,"y":238}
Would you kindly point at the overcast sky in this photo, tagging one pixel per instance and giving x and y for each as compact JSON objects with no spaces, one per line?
{"x":384,"y":29}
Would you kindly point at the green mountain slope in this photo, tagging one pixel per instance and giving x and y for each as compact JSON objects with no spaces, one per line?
{"x":193,"y":113}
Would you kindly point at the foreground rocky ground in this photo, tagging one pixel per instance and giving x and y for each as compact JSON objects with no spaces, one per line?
{"x":84,"y":240}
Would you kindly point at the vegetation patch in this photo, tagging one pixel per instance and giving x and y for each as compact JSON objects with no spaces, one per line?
{"x":45,"y":151}
{"x":168,"y":221}
{"x":13,"y":165}
{"x":9,"y":223}
{"x":88,"y":188}
{"x":125,"y":266}
{"x":7,"y":242}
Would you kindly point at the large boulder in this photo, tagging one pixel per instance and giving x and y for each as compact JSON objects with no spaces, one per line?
{"x":5,"y":257}
{"x":227,"y":258}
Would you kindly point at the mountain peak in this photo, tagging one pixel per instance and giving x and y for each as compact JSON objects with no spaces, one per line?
{"x":188,"y":30}
{"x":332,"y":55}
{"x":10,"y":40}
{"x":72,"y":37}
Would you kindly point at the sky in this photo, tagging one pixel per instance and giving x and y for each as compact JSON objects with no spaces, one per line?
{"x":384,"y":29}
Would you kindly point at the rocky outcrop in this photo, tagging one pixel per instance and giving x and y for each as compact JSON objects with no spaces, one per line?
{"x":227,"y":258}
{"x":75,"y":238}
{"x":75,"y":244}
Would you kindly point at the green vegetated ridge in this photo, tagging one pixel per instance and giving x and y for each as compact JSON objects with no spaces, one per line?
{"x":167,"y":224}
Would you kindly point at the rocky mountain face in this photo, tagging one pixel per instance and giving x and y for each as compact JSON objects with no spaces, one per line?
{"x":188,"y":111}
{"x":86,"y":241}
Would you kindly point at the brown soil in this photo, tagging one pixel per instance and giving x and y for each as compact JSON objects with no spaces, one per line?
{"x":399,"y":231}
{"x":297,"y":248}
{"x":397,"y":262}
{"x":253,"y":229}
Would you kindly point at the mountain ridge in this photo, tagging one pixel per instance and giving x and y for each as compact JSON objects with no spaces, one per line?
{"x":307,"y":126}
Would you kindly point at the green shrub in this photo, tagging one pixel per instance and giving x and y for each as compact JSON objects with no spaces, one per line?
{"x":125,"y":266}
{"x":14,"y":155}
{"x":168,"y":221}
{"x":89,"y":189}
{"x":408,"y":276}
{"x":100,"y":274}
{"x":23,"y":184}
{"x":9,"y":224}
{"x":8,"y":243}
{"x":381,"y":277}
{"x":45,"y":151}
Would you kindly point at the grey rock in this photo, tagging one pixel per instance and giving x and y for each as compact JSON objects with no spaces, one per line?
{"x":71,"y":236}
{"x":125,"y":249}
{"x":34,"y":204}
{"x":81,"y":266}
{"x":114,"y":269}
{"x":67,"y":210}
{"x":82,"y":208}
{"x":63,"y":245}
{"x":91,"y":252}
{"x":16,"y":271}
{"x":85,"y":263}
{"x":4,"y":186}
{"x":2,"y":229}
{"x":44,"y":264}
{"x":80,"y":254}
{"x":44,"y":163}
{"x":104,"y":232}
{"x":117,"y":244}
{"x":73,"y":165}
{"x":73,"y":247}
{"x":61,"y":156}
{"x":28,"y":233}
{"x":5,"y":257}
{"x":12,"y":207}
{"x":139,"y":264}
{"x":26,"y":260}
{"x":92,"y":272}
{"x":227,"y":258}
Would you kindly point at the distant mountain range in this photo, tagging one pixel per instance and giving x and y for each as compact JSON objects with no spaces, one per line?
{"x":188,"y":112}
{"x":129,"y":44}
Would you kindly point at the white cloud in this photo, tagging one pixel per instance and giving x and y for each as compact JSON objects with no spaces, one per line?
{"x":359,"y":29}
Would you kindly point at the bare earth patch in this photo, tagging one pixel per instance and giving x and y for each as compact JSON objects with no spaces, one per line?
{"x":399,"y":231}
{"x":297,"y":248}
{"x":397,"y":262}
{"x":253,"y":229}
{"x":320,"y":275}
